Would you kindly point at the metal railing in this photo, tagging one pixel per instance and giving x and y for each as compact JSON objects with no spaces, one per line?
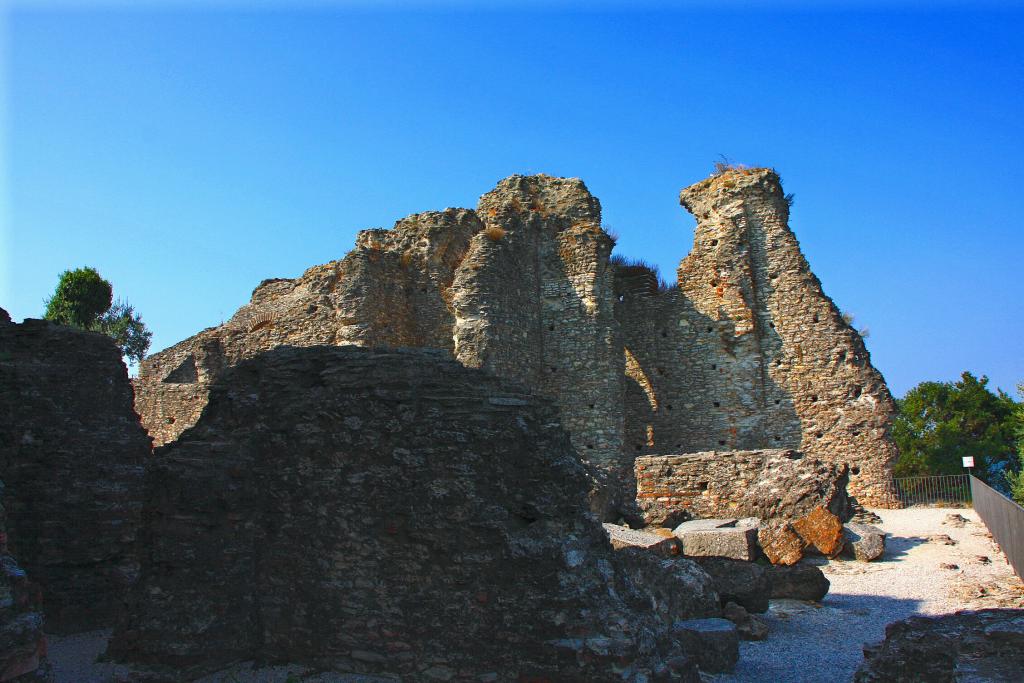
{"x":1004,"y":519}
{"x":945,"y":490}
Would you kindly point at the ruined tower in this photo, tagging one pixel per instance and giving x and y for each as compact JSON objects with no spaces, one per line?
{"x":748,"y":352}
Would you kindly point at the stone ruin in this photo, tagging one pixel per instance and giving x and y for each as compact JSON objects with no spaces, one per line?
{"x":392,"y":512}
{"x":746,"y":352}
{"x":422,"y":512}
{"x":72,"y":457}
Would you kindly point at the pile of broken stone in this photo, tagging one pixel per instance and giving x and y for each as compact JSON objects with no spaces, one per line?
{"x":752,"y":561}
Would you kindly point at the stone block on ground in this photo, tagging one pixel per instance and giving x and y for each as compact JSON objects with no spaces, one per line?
{"x":822,"y":530}
{"x":624,"y":537}
{"x":744,"y":583}
{"x":798,"y":582}
{"x":718,"y":538}
{"x":779,"y":543}
{"x":748,"y":627}
{"x":864,"y":542}
{"x":713,"y":642}
{"x":767,"y":484}
{"x":987,"y":645}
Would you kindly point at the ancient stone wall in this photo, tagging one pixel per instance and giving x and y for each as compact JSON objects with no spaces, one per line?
{"x":748,"y":352}
{"x":379,"y":511}
{"x":767,"y":484}
{"x":72,"y":454}
{"x":22,"y":641}
{"x":526,"y":292}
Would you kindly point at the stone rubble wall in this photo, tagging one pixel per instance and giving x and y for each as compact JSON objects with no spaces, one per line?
{"x":392,"y":512}
{"x":72,"y":454}
{"x":767,"y":484}
{"x":746,"y":353}
{"x":22,"y":641}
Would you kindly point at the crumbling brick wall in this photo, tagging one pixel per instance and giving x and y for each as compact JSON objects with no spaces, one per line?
{"x":391,"y":511}
{"x":72,"y":454}
{"x":747,"y":352}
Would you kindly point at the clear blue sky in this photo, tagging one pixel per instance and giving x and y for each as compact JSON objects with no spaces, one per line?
{"x":189,"y":151}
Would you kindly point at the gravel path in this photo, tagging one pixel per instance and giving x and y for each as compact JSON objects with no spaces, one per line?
{"x":807,"y":642}
{"x":811,"y":643}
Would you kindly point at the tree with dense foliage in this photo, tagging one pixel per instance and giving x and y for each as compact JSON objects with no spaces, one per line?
{"x":1015,"y":480}
{"x":939,"y":423}
{"x":83,"y":299}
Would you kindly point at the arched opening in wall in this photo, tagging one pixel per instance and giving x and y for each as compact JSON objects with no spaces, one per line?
{"x":185,"y":373}
{"x":717,"y":404}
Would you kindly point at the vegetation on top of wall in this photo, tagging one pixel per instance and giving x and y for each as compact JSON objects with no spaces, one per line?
{"x":637,"y":269}
{"x":83,"y":299}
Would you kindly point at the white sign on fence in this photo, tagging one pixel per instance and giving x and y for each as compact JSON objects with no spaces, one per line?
{"x":969,"y":461}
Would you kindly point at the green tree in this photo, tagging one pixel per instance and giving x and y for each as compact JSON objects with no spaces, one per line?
{"x":939,"y":423}
{"x":83,"y":299}
{"x":1015,"y":479}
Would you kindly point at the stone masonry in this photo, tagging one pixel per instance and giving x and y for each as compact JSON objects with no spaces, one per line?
{"x":72,"y":454}
{"x":746,"y":353}
{"x":381,"y":511}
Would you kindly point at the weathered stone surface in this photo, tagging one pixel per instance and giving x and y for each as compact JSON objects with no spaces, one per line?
{"x":802,"y":501}
{"x":22,"y":642}
{"x":520,"y":287}
{"x":746,"y":353}
{"x":968,"y":646}
{"x":822,"y":530}
{"x":624,"y":537}
{"x":748,"y":627}
{"x":717,"y":538}
{"x":72,"y":454}
{"x":864,"y":542}
{"x":767,"y":484}
{"x":779,"y":543}
{"x":744,"y":583}
{"x":394,"y":512}
{"x":714,"y":643}
{"x":798,"y":582}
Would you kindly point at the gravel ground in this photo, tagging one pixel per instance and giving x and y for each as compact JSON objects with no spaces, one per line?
{"x":807,"y":642}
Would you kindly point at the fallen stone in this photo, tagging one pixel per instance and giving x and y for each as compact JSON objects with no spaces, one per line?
{"x":717,"y":538}
{"x":982,"y":559}
{"x":863,"y":541}
{"x":821,"y":529}
{"x":798,"y":582}
{"x":748,"y":627}
{"x":956,"y":520}
{"x":944,"y":539}
{"x":779,"y":543}
{"x":743,"y":583}
{"x":766,"y":484}
{"x":987,"y":645}
{"x":714,"y":643}
{"x":948,"y":565}
{"x":624,"y":537}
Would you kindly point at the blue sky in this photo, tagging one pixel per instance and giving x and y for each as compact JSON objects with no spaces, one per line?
{"x":190,"y":150}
